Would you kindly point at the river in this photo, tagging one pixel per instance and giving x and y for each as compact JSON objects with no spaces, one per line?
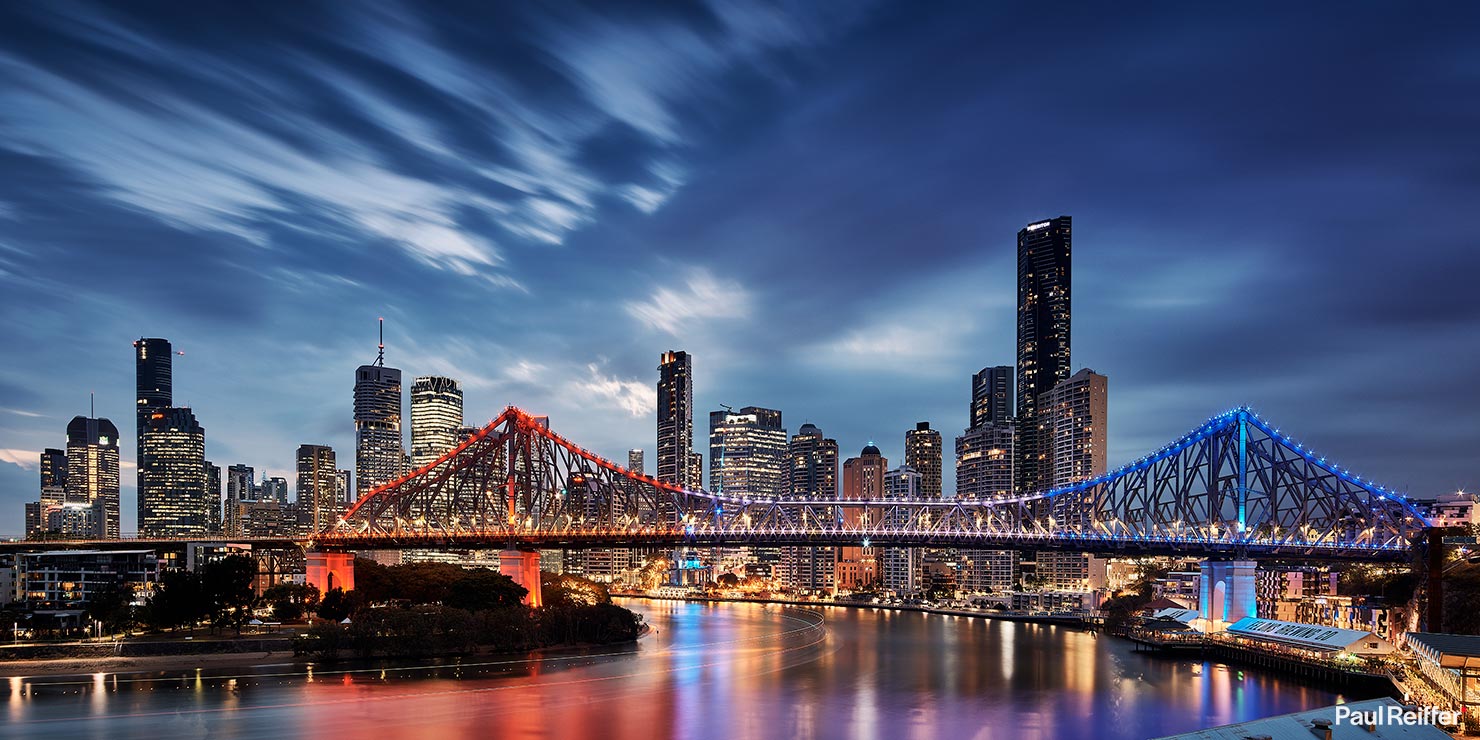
{"x":707,"y":670}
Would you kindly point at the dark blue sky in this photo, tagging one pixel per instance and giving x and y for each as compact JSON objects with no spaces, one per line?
{"x":1273,"y":206}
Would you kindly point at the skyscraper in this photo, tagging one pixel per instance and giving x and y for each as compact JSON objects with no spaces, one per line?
{"x":273,"y":489}
{"x":380,"y":456}
{"x":436,"y":416}
{"x":344,"y":489}
{"x":899,"y":567}
{"x":213,"y":497}
{"x":991,"y":395}
{"x":318,"y":486}
{"x":863,"y":480}
{"x":154,"y":384}
{"x":172,"y":480}
{"x":634,"y":460}
{"x":92,"y":472}
{"x":1044,"y":281}
{"x":985,"y":461}
{"x":676,"y":419}
{"x":1074,"y":421}
{"x":241,"y":488}
{"x":922,"y":454}
{"x":53,"y":492}
{"x":813,"y":463}
{"x":747,"y":453}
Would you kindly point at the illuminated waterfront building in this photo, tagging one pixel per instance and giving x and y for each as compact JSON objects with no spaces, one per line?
{"x":172,"y":498}
{"x":813,"y":464}
{"x":1044,"y":281}
{"x":436,"y":417}
{"x":984,"y":470}
{"x":1073,"y":416}
{"x":676,"y":420}
{"x":863,"y":479}
{"x":318,"y":486}
{"x":899,"y":567}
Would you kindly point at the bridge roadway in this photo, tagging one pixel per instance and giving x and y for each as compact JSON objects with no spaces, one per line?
{"x":576,"y":538}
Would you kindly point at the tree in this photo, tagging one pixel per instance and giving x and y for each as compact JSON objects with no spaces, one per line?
{"x":560,"y":588}
{"x":335,"y":606}
{"x":290,"y":601}
{"x":178,"y":600}
{"x":728,"y":580}
{"x":113,"y":606}
{"x":227,"y":585}
{"x":481,"y":589}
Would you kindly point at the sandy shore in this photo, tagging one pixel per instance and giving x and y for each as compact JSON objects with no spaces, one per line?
{"x":213,"y":662}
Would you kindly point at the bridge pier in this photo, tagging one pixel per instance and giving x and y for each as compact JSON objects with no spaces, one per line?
{"x":524,"y":567}
{"x":330,"y":570}
{"x":1226,"y":593}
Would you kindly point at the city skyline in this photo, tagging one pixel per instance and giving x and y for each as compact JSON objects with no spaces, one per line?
{"x":1176,"y":286}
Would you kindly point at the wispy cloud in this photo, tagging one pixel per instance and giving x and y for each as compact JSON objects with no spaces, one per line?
{"x":631,"y":396}
{"x":702,"y":297}
{"x":28,"y":459}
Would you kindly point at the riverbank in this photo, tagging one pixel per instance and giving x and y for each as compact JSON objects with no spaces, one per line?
{"x":83,"y":666}
{"x":1048,"y":619}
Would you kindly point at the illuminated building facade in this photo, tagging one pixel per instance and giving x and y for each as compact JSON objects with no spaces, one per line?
{"x":634,"y":461}
{"x":676,"y":421}
{"x":92,"y":471}
{"x":436,"y":416}
{"x":213,"y":497}
{"x":241,"y":488}
{"x":863,"y":479}
{"x":380,"y":456}
{"x":172,"y":498}
{"x":984,"y":470}
{"x":53,"y":466}
{"x":748,"y":453}
{"x":813,"y":463}
{"x":992,"y":395}
{"x":1044,"y":280}
{"x":899,"y":567}
{"x":318,"y":486}
{"x":922,"y":453}
{"x":154,"y":390}
{"x":1074,"y":417}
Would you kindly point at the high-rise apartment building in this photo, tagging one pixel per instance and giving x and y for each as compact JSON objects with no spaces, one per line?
{"x":1074,"y":417}
{"x":436,"y":417}
{"x":814,"y":476}
{"x":318,"y":486}
{"x":899,"y":567}
{"x":1044,"y":281}
{"x":992,"y":395}
{"x":92,"y":472}
{"x":154,"y":386}
{"x":53,"y":466}
{"x":172,"y":493}
{"x":676,"y":421}
{"x":923,"y":454}
{"x":984,"y":461}
{"x":748,"y":453}
{"x":380,"y":456}
{"x":213,"y":498}
{"x":344,"y":489}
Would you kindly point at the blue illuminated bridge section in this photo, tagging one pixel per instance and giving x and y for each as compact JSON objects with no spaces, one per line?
{"x":1235,"y":486}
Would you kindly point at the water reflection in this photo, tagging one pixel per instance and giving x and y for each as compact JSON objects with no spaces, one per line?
{"x":735,"y":670}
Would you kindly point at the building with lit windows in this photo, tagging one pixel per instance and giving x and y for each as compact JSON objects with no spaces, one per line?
{"x":992,"y":395}
{"x":984,"y":470}
{"x":318,"y":486}
{"x":173,"y":500}
{"x":1073,"y":416}
{"x":813,"y":464}
{"x":863,"y":479}
{"x":899,"y":567}
{"x":676,"y":420}
{"x":154,"y":390}
{"x":923,"y":454}
{"x":380,"y":455}
{"x":213,"y":497}
{"x":69,"y":579}
{"x":748,"y":453}
{"x":274,"y":488}
{"x":92,"y":475}
{"x":1044,"y":280}
{"x":436,"y":416}
{"x":634,"y":461}
{"x":241,"y":487}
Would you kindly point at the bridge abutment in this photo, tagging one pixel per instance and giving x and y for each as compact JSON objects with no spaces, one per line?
{"x":1226,"y":593}
{"x":524,"y":567}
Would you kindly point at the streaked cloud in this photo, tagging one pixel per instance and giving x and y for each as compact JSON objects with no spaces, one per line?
{"x":702,"y":297}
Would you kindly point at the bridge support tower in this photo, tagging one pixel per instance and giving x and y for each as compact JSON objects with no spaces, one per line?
{"x":524,"y":567}
{"x":330,"y":570}
{"x":1227,"y":592}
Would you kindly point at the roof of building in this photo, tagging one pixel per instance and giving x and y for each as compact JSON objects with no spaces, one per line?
{"x":1302,"y":726}
{"x":1461,"y":645}
{"x":1177,"y":614}
{"x":1296,"y":634}
{"x":871,"y":450}
{"x":1160,"y":604}
{"x":51,"y":553}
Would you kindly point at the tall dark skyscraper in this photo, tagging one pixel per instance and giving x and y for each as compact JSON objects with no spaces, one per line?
{"x":923,"y":453}
{"x":1044,"y":280}
{"x":154,"y":381}
{"x":172,"y":482}
{"x":991,"y":395}
{"x":676,"y":419}
{"x":380,"y":454}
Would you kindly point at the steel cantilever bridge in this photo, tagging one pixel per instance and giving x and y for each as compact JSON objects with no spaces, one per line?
{"x":1233,"y":487}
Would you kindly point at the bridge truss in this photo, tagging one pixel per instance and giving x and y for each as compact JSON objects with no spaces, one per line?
{"x":1233,"y":487}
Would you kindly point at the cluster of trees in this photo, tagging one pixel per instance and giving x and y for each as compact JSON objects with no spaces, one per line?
{"x":421,"y":609}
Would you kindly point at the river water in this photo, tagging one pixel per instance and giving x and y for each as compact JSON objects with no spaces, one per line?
{"x":723,"y":670}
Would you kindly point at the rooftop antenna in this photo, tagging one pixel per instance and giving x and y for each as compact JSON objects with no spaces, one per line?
{"x":380,"y":358}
